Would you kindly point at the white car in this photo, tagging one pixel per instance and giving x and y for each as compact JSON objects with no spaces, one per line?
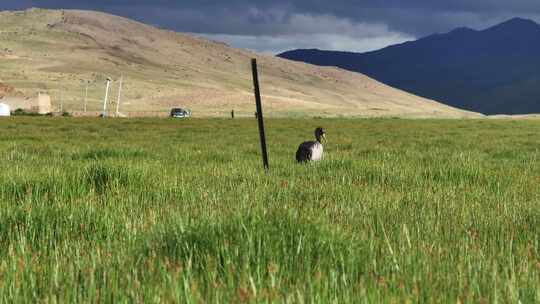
{"x":180,"y":113}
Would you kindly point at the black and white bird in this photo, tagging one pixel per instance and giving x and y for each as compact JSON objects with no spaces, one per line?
{"x":312,"y":150}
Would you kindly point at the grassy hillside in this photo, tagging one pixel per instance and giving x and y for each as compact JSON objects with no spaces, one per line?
{"x":170,"y":210}
{"x":59,"y":52}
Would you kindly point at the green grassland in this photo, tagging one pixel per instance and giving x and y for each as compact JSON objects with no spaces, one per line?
{"x":180,"y":211}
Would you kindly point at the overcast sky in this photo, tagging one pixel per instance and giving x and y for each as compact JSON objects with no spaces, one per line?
{"x":278,"y":25}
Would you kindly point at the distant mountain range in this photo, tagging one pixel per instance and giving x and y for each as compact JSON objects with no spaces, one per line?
{"x":493,"y":71}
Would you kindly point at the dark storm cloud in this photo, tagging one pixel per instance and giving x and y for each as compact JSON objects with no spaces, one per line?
{"x":276,"y":24}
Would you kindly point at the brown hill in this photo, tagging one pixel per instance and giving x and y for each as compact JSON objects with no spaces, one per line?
{"x":6,"y":90}
{"x":59,"y":52}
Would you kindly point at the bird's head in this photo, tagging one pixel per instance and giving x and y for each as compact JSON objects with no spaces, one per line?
{"x":320,"y":134}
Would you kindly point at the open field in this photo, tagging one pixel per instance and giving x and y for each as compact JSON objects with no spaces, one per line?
{"x":179,"y":211}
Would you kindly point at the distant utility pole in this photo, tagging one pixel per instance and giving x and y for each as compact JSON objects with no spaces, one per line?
{"x":106,"y":97}
{"x":119,"y":95}
{"x":61,"y":101}
{"x":86,"y":96}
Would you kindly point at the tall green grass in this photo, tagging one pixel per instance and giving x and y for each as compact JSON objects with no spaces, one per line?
{"x":181,"y":211}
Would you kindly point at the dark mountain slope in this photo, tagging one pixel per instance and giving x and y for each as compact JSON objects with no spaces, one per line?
{"x":494,"y":71}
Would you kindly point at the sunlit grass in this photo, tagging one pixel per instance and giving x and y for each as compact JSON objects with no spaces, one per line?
{"x":181,"y":211}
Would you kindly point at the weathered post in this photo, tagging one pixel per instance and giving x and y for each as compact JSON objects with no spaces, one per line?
{"x":259,"y":112}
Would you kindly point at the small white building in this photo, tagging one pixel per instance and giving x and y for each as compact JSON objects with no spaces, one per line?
{"x":43,"y":104}
{"x":5,"y":110}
